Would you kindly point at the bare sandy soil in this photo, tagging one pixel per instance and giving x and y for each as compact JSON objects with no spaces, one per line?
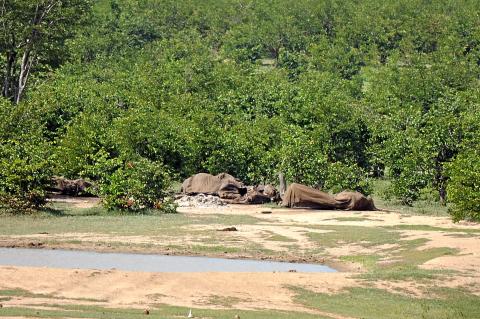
{"x":77,"y":202}
{"x":244,"y":290}
{"x":329,"y":217}
{"x":248,"y":290}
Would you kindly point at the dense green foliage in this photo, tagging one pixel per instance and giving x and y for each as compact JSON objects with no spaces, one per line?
{"x":32,"y":36}
{"x":464,"y":174}
{"x":25,"y":159}
{"x":136,"y":186}
{"x":332,"y":93}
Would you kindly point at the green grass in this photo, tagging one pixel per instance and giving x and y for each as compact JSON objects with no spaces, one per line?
{"x":160,"y":311}
{"x":21,"y":293}
{"x":9,"y":293}
{"x":161,"y":228}
{"x":405,"y":256}
{"x":463,"y":235}
{"x":418,"y":257}
{"x":130,"y":224}
{"x":277,"y":237}
{"x":405,"y":272}
{"x":409,"y":258}
{"x":226,"y":302}
{"x":367,"y":261}
{"x":379,"y":304}
{"x":341,"y":234}
{"x":406,"y":262}
{"x":426,"y":208}
{"x":281,"y":238}
{"x":433,"y":228}
{"x":425,"y":205}
{"x":359,"y":303}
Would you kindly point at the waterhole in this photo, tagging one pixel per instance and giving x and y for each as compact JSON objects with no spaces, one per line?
{"x":72,"y":259}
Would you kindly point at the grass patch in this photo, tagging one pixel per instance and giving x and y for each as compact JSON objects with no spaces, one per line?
{"x":425,"y":208}
{"x":433,"y":228}
{"x":365,"y":236}
{"x":160,"y":228}
{"x":250,"y":248}
{"x":163,"y":224}
{"x":425,"y":205}
{"x":367,"y":261}
{"x":404,"y":272}
{"x":277,"y":237}
{"x":462,"y":235}
{"x":379,"y":304}
{"x":418,"y":257}
{"x":405,"y":256}
{"x":405,"y":264}
{"x":281,"y":238}
{"x":227,"y":302}
{"x":22,"y":293}
{"x":161,"y":311}
{"x":9,"y":293}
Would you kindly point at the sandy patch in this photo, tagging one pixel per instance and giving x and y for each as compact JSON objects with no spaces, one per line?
{"x":329,"y":217}
{"x":355,"y":249}
{"x":134,"y":289}
{"x":467,"y":259}
{"x":262,"y":234}
{"x":469,"y":283}
{"x":76,"y":202}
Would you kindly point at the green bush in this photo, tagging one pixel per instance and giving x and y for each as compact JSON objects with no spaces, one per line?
{"x":303,"y":159}
{"x":247,"y":150}
{"x":25,"y":159}
{"x":159,"y":137}
{"x":25,"y":173}
{"x":464,"y":186}
{"x":342,"y":176}
{"x":137,"y":185}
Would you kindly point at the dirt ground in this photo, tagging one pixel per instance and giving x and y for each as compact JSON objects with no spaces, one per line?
{"x":249,"y":290}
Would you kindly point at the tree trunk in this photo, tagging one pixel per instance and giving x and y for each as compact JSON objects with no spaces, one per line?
{"x":443,"y":195}
{"x":24,"y":72}
{"x":283,"y":184}
{"x":440,"y":182}
{"x":26,"y":63}
{"x":11,"y":56}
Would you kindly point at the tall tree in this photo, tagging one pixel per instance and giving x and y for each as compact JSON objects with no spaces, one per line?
{"x":32,"y":38}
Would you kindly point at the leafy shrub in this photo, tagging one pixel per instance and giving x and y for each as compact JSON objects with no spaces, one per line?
{"x":25,"y":159}
{"x":247,"y":151}
{"x":302,"y":157}
{"x":342,"y":176}
{"x":406,"y":187}
{"x":25,"y":173}
{"x":464,"y":186}
{"x":158,"y":137}
{"x":87,"y":140}
{"x":137,"y":185}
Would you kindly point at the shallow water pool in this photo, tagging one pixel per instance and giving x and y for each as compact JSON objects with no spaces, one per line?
{"x":72,"y":259}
